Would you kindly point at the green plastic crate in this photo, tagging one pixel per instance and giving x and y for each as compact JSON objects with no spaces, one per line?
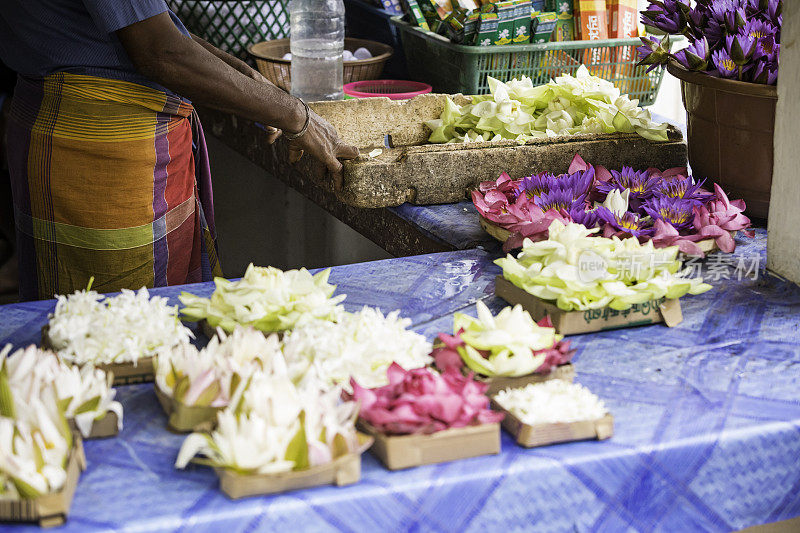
{"x":454,"y":68}
{"x":232,"y":26}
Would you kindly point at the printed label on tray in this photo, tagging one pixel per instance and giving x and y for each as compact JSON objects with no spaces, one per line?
{"x":643,"y":309}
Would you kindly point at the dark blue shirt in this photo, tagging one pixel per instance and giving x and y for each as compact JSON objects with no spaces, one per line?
{"x":39,"y":37}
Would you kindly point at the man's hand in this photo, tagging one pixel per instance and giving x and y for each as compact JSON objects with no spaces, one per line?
{"x":322,"y":141}
{"x":208,"y":76}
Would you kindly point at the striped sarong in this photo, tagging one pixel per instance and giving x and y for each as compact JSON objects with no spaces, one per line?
{"x":110,"y":180}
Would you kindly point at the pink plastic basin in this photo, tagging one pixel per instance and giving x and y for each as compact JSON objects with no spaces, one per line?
{"x":394,"y":89}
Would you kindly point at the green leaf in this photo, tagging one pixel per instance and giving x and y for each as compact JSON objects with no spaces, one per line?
{"x":63,"y":404}
{"x":236,"y":379}
{"x":474,"y":360}
{"x":25,"y":491}
{"x":181,"y":387}
{"x":88,"y":406}
{"x":7,"y":408}
{"x":622,"y":123}
{"x":297,"y":451}
{"x":38,"y":457}
{"x":208,"y":395}
{"x":339,"y":447}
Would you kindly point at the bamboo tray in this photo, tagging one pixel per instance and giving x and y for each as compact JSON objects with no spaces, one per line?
{"x":186,"y":418}
{"x":123,"y":373}
{"x":574,"y":322}
{"x":108,"y":426}
{"x":397,"y":452}
{"x":565,"y":372}
{"x":48,"y":510}
{"x":556,"y":433}
{"x":345,"y":470}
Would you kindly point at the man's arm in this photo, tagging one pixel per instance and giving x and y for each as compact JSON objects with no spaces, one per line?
{"x":233,"y":61}
{"x":272,"y":132}
{"x":162,"y":53}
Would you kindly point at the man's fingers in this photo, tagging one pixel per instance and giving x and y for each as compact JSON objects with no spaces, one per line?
{"x":335,"y":169}
{"x":345,"y":151}
{"x":272,"y":134}
{"x":295,"y":154}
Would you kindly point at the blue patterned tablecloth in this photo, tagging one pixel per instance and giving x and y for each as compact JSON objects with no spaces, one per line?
{"x":707,"y":433}
{"x":455,"y":224}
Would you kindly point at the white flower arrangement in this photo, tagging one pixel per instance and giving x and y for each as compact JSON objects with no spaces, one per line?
{"x":87,"y":327}
{"x":554,"y":401}
{"x":85,"y":394}
{"x":217,"y":375}
{"x":568,"y":105}
{"x":267,"y":299}
{"x":515,"y":343}
{"x":35,"y":442}
{"x":578,"y":271}
{"x":359,"y":345}
{"x":279,"y":426}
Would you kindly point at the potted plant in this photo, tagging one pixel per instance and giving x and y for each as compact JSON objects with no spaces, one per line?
{"x":728,"y":76}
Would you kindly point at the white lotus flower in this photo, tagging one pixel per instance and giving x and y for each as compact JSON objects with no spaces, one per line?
{"x":217,"y":374}
{"x":34,"y":446}
{"x":85,"y":393}
{"x":244,"y":443}
{"x":554,"y":401}
{"x":360,"y":345}
{"x":87,"y":327}
{"x":510,"y":338}
{"x":617,"y":202}
{"x":267,"y":299}
{"x":279,"y":426}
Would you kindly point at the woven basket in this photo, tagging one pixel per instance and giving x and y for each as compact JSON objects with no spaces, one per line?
{"x":268,"y":56}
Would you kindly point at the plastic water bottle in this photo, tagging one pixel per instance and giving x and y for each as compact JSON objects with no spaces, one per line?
{"x":317,"y":43}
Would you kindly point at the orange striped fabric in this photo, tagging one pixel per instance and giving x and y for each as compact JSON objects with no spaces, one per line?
{"x":110,"y":180}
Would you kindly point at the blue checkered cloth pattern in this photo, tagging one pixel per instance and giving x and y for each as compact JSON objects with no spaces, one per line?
{"x":707,"y":430}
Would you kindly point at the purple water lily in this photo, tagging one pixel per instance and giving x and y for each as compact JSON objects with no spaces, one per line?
{"x":579,"y":182}
{"x":740,"y":48}
{"x":537,"y":184}
{"x":729,"y":14}
{"x":653,"y":52}
{"x":629,"y":223}
{"x":774,"y":9}
{"x":758,"y":29}
{"x":683,"y":188}
{"x":695,"y":56}
{"x":640,"y":183}
{"x":765,"y":73}
{"x":737,"y":39}
{"x":725,"y":65}
{"x":589,"y":218}
{"x":558,"y":200}
{"x":677,"y":211}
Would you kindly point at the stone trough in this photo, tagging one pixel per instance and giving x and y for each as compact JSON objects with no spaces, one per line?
{"x":411,"y":170}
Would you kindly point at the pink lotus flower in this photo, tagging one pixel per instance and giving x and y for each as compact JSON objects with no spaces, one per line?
{"x":666,"y":235}
{"x":446,"y":356}
{"x":558,"y":354}
{"x":717,"y":218}
{"x":422,"y":401}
